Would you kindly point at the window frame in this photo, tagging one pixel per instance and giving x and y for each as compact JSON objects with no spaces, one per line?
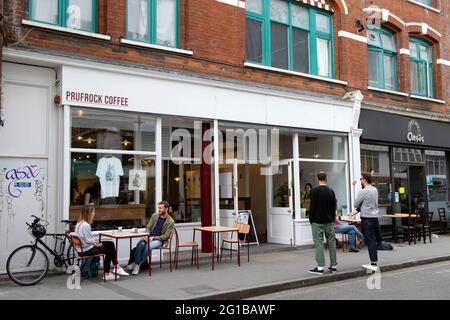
{"x":152,"y":25}
{"x":382,"y":53}
{"x":62,"y":15}
{"x":313,"y":34}
{"x":429,"y":67}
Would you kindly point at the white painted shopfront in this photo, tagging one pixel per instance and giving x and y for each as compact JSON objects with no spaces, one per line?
{"x":144,"y":107}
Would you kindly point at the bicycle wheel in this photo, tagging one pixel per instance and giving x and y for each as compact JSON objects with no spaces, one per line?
{"x":27,"y":265}
{"x":69,"y":255}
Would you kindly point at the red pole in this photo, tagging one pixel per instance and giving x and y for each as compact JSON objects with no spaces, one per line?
{"x":206,"y":192}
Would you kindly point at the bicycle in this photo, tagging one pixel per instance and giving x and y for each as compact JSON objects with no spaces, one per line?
{"x":29,"y":264}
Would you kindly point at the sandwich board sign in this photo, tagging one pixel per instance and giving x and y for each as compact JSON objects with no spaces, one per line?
{"x":244,"y":217}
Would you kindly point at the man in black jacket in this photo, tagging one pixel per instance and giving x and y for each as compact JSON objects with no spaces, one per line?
{"x":322,"y":214}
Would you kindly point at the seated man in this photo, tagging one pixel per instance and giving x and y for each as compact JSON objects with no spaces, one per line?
{"x":160,"y":226}
{"x":352,"y":233}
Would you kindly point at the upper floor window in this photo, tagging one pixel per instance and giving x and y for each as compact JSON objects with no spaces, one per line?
{"x":153,"y":21}
{"x":426,"y":2}
{"x":421,"y":66}
{"x":287,"y":35}
{"x":382,"y":59}
{"x":75,"y":14}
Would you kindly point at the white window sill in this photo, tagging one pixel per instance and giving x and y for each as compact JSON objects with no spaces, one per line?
{"x":258,"y":66}
{"x":427,"y":99}
{"x":66,"y":30}
{"x":425,"y":6}
{"x":388,"y":91}
{"x":155,"y":46}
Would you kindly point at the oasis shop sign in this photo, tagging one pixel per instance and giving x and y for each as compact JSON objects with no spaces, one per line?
{"x":414,"y":132}
{"x":99,"y":99}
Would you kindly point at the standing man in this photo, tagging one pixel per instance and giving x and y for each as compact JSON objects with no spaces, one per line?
{"x":322,"y":214}
{"x":367,"y":203}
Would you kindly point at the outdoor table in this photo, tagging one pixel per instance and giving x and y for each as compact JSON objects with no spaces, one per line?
{"x":395,"y":216}
{"x":217,"y":230}
{"x":350,"y":220}
{"x":116,"y":234}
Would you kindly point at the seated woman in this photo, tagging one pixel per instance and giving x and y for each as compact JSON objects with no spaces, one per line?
{"x":352,"y":233}
{"x":92,"y":247}
{"x":160,"y":227}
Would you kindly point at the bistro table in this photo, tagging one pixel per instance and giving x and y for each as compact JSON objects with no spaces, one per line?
{"x":350,"y":219}
{"x":217,"y":230}
{"x":395,"y":216}
{"x":117,"y":235}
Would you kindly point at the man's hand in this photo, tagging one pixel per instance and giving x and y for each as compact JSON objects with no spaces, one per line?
{"x":98,"y":244}
{"x":353,"y":213}
{"x":150,"y":239}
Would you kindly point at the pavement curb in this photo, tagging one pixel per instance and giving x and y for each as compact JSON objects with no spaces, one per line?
{"x":255,"y":291}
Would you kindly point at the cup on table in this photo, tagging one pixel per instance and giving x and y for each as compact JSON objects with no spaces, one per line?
{"x":135,"y":230}
{"x":119,"y":229}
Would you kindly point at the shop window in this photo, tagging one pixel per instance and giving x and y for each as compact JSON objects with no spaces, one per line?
{"x":288,"y":35}
{"x":375,"y":161}
{"x":322,"y":147}
{"x":75,"y":14}
{"x":154,"y":21}
{"x":113,"y":166}
{"x":421,"y":67}
{"x":382,"y":59}
{"x":407,"y":155}
{"x":437,"y":181}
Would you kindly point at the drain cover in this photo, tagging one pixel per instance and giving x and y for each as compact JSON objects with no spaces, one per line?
{"x":199,"y":290}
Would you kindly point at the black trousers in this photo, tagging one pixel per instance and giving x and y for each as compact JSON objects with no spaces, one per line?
{"x":372,"y":236}
{"x":107,"y":248}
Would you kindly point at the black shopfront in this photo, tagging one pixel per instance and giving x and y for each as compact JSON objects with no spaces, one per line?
{"x":409,"y":160}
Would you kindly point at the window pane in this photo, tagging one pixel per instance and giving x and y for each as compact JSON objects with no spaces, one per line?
{"x":166,"y":22}
{"x":280,"y":188}
{"x":254,"y":6}
{"x":279,"y":11}
{"x":279,"y":43}
{"x":389,"y":72}
{"x":373,"y":38}
{"x":322,"y":23}
{"x":323,"y":57}
{"x":375,"y":161}
{"x":138,"y":19}
{"x":413,"y":50}
{"x":388,"y":42}
{"x":374,"y":69}
{"x":300,"y":44}
{"x":254,"y":41}
{"x":121,"y":187}
{"x":79,"y":14}
{"x":422,"y":78}
{"x":323,"y":147}
{"x":414,"y":74}
{"x":300,"y":17}
{"x":98,"y":129}
{"x":45,"y":10}
{"x":425,"y":53}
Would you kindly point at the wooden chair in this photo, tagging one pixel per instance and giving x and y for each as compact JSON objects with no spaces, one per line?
{"x":443,"y":219}
{"x":424,"y":226}
{"x":77,"y":244}
{"x":244,"y":229}
{"x":193,"y":245}
{"x":410,"y":230}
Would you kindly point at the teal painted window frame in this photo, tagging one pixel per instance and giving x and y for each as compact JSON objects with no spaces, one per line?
{"x":428,"y":68}
{"x":382,"y":53}
{"x":313,"y":35}
{"x":425,"y":2}
{"x":62,"y":15}
{"x":152,"y":32}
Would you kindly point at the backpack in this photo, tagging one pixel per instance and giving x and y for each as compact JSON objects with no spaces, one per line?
{"x":385,"y":246}
{"x":91,"y":267}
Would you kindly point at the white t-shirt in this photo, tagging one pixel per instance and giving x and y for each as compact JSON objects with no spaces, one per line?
{"x":109,"y":171}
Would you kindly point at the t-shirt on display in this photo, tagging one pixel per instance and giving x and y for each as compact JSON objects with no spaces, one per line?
{"x":109,"y":171}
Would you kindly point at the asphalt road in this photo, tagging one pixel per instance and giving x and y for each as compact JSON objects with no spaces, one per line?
{"x":425,"y":282}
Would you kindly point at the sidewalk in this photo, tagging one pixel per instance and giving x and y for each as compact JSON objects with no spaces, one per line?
{"x":267,"y":272}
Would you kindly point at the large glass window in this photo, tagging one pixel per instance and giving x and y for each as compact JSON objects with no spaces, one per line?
{"x":287,"y":35}
{"x":437,"y":181}
{"x":75,"y":14}
{"x":382,"y":59}
{"x":421,"y":68}
{"x":153,"y":21}
{"x":320,"y":152}
{"x":112,"y":166}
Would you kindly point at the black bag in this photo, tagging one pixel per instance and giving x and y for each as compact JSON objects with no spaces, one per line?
{"x":385,"y":246}
{"x":90,"y":267}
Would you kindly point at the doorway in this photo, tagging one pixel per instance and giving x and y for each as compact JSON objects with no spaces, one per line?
{"x":409,"y":188}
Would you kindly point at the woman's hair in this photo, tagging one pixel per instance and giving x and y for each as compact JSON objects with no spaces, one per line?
{"x":86,"y":214}
{"x":308,"y":185}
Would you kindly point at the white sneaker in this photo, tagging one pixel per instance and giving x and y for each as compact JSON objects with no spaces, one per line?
{"x":370,"y":267}
{"x":111,"y":276}
{"x":136,"y":270}
{"x":130,"y":267}
{"x":120,"y":271}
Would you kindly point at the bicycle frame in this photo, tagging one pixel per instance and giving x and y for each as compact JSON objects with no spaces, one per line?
{"x":59,"y":255}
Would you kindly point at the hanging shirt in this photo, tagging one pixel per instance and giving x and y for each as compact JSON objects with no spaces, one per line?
{"x":109,"y":171}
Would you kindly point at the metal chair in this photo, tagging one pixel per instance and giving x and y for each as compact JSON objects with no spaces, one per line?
{"x":244,"y":229}
{"x":193,"y":245}
{"x":443,"y":219}
{"x":77,"y":244}
{"x":424,"y":227}
{"x":410,"y":230}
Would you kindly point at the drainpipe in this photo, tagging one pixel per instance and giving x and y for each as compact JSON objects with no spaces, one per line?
{"x":3,"y":43}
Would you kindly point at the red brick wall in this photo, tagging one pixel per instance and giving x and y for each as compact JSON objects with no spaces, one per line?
{"x":215,"y":32}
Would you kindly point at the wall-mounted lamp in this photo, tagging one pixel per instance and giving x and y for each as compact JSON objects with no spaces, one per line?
{"x":359,"y":25}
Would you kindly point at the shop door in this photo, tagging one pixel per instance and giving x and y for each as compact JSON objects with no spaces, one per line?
{"x":228,"y":193}
{"x":401,"y":189}
{"x":280,"y":204}
{"x":409,"y":188}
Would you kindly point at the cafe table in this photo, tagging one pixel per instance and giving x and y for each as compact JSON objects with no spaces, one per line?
{"x":215,"y":233}
{"x":394,"y":217}
{"x":120,"y":234}
{"x":350,"y":219}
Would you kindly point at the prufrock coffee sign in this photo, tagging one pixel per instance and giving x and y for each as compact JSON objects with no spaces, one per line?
{"x":98,"y":99}
{"x":414,"y":132}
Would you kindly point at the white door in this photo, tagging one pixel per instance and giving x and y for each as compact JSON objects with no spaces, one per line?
{"x":228,"y":192}
{"x":280,"y":203}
